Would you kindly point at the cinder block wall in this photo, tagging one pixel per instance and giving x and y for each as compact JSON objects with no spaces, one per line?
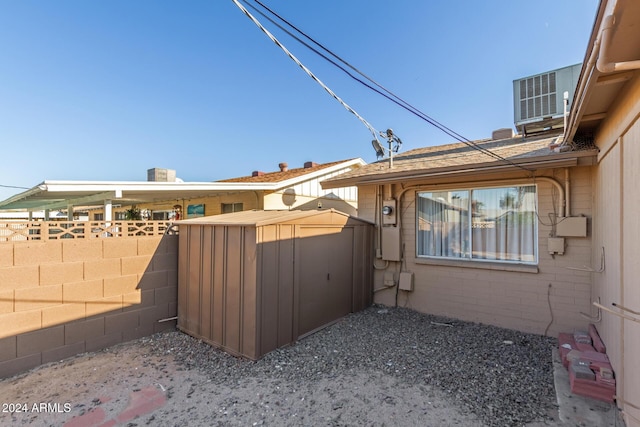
{"x":59,"y":298}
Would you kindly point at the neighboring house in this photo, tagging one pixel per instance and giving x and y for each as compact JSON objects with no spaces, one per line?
{"x":286,"y":189}
{"x":300,"y":188}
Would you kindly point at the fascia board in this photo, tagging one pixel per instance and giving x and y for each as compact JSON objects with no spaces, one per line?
{"x":536,"y":163}
{"x":71,"y":186}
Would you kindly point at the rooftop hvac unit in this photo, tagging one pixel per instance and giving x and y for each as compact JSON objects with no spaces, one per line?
{"x":538,"y":100}
{"x":161,"y":175}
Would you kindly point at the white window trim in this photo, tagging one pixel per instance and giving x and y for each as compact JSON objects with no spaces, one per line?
{"x":490,"y":264}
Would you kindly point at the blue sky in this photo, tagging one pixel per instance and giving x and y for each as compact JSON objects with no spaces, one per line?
{"x":106,"y":90}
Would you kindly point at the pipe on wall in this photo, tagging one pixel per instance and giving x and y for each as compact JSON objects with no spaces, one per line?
{"x":596,"y":65}
{"x":562,"y":201}
{"x":609,"y":67}
{"x":567,"y":192}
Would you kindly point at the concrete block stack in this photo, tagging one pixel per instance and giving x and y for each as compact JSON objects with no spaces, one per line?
{"x":585,"y":356}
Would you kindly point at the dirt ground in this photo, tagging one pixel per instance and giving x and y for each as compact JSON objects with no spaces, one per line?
{"x":127,"y":385}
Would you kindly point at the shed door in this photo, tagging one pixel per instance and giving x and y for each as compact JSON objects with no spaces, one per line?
{"x":325,"y":257}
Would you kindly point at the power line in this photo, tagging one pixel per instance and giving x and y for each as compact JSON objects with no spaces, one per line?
{"x":389,"y":95}
{"x":305,"y":69}
{"x":14,"y":186}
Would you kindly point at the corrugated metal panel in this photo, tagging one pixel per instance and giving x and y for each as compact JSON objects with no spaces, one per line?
{"x":324,"y":256}
{"x":276,"y":275}
{"x":252,"y":288}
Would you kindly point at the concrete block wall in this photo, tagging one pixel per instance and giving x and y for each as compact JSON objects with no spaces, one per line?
{"x":59,"y":298}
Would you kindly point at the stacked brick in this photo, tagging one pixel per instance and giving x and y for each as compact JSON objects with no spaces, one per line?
{"x":585,"y":357}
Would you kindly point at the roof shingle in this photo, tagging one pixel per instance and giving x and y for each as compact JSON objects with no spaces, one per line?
{"x":280,"y":176}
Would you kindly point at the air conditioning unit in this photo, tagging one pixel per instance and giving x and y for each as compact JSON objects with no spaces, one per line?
{"x":538,"y":100}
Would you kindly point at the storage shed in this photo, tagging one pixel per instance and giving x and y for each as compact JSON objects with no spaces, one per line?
{"x":250,"y":282}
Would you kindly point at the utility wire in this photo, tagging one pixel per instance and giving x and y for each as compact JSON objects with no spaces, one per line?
{"x":396,"y":99}
{"x":391,"y":96}
{"x":13,"y":186}
{"x":306,"y":70}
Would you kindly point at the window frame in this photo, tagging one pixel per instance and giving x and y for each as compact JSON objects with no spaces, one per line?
{"x":469,"y":226}
{"x":233,"y":206}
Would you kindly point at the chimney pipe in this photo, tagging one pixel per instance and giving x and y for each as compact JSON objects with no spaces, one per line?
{"x":308,"y":165}
{"x":283,"y":167}
{"x":257,"y":173}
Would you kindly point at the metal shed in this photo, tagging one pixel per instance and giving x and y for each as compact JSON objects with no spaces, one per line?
{"x":253,"y":281}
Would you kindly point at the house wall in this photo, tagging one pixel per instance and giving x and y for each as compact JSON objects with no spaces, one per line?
{"x":306,"y":196}
{"x":617,"y":230}
{"x":510,"y":296}
{"x":287,"y":200}
{"x":59,"y":298}
{"x":212,"y":205}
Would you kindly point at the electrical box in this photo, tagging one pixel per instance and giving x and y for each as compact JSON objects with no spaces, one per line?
{"x":555,"y":245}
{"x":389,"y":216}
{"x":571,"y":226}
{"x":406,"y":281}
{"x":391,"y":243}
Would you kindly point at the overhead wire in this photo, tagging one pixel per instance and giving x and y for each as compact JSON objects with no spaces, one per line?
{"x":305,"y":69}
{"x":387,"y":93}
{"x":13,"y":186}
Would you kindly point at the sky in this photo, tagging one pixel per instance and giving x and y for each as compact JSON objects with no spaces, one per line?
{"x":103,"y":91}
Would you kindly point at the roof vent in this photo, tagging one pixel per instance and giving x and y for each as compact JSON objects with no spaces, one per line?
{"x":283,"y":167}
{"x":308,"y":165}
{"x":257,"y":173}
{"x":503,"y":133}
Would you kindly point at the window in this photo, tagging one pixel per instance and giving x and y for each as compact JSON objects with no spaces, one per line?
{"x":161,"y":215}
{"x":231,"y":207}
{"x":491,"y":224}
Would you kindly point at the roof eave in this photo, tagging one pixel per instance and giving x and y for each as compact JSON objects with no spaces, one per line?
{"x":561,"y":160}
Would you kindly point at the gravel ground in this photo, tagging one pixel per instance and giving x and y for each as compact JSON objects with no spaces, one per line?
{"x":382,"y":366}
{"x":503,"y":377}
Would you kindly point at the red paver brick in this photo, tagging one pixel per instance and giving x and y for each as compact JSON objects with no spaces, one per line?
{"x":142,"y":402}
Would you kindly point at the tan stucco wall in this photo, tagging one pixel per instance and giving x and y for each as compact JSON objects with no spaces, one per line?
{"x":212,"y":205}
{"x":491,"y":293}
{"x":283,"y":201}
{"x":59,"y":298}
{"x":617,"y":229}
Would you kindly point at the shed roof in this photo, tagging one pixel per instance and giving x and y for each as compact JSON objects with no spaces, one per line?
{"x":521,"y":153}
{"x":260,"y":218}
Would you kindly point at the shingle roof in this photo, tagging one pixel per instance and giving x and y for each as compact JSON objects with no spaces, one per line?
{"x":283,"y":175}
{"x":459,"y":156}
